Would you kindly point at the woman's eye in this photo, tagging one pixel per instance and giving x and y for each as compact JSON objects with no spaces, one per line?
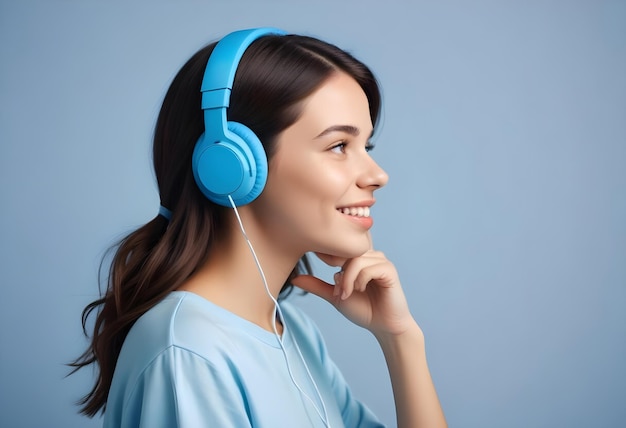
{"x":341,"y":147}
{"x":338,"y":148}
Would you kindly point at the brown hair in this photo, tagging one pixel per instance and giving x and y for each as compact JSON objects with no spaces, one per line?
{"x":275,"y":74}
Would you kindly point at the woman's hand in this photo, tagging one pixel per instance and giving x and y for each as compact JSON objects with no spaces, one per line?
{"x":367,"y":291}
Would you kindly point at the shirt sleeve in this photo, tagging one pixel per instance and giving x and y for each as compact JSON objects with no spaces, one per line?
{"x":179,"y":389}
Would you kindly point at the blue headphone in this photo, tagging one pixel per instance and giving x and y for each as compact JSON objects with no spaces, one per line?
{"x":228,"y":158}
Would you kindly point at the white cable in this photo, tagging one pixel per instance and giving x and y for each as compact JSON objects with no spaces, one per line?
{"x":277,"y":311}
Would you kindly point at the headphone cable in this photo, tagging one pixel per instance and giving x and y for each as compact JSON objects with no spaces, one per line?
{"x":277,"y":311}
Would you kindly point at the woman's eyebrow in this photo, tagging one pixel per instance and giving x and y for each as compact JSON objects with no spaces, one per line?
{"x":348,"y":129}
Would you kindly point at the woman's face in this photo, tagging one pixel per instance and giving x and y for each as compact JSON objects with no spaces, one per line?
{"x":321,"y":179}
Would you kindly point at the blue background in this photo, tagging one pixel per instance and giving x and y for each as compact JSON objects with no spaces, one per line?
{"x":504,"y":134}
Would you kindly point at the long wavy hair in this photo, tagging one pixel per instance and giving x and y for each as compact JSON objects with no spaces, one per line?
{"x":275,"y":75}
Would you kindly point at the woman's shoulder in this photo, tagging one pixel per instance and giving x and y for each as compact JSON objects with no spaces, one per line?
{"x":155,"y":331}
{"x":183,"y":325}
{"x":185,"y":320}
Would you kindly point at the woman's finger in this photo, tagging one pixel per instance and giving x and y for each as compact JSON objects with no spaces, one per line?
{"x":382,"y":273}
{"x":314,"y":285}
{"x":358,"y":273}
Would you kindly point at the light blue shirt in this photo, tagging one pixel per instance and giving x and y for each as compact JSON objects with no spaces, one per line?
{"x":190,"y":363}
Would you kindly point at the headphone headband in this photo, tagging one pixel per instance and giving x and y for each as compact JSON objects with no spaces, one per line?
{"x":219,"y":74}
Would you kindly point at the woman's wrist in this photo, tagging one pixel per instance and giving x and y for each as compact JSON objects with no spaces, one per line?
{"x":412,"y":336}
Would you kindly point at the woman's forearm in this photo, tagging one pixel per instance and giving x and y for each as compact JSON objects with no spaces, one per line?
{"x":417,"y":404}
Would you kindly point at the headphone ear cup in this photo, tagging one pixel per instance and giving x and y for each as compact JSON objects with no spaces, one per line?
{"x":236,"y":166}
{"x":259,"y":158}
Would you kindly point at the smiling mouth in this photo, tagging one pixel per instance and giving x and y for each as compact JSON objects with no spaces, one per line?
{"x":355,"y":211}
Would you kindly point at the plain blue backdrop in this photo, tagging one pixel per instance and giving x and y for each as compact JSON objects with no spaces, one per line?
{"x":504,"y":134}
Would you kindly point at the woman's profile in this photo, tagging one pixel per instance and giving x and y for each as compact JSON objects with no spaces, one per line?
{"x":261,"y":155}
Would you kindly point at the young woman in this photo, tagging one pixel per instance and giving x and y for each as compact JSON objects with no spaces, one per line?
{"x":190,"y":332}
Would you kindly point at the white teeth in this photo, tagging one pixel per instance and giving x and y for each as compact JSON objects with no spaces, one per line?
{"x":356,"y":211}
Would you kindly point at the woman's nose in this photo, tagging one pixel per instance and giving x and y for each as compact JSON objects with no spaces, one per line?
{"x":373,"y":175}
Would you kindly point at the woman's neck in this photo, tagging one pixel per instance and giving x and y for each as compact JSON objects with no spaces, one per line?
{"x":230,"y":277}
